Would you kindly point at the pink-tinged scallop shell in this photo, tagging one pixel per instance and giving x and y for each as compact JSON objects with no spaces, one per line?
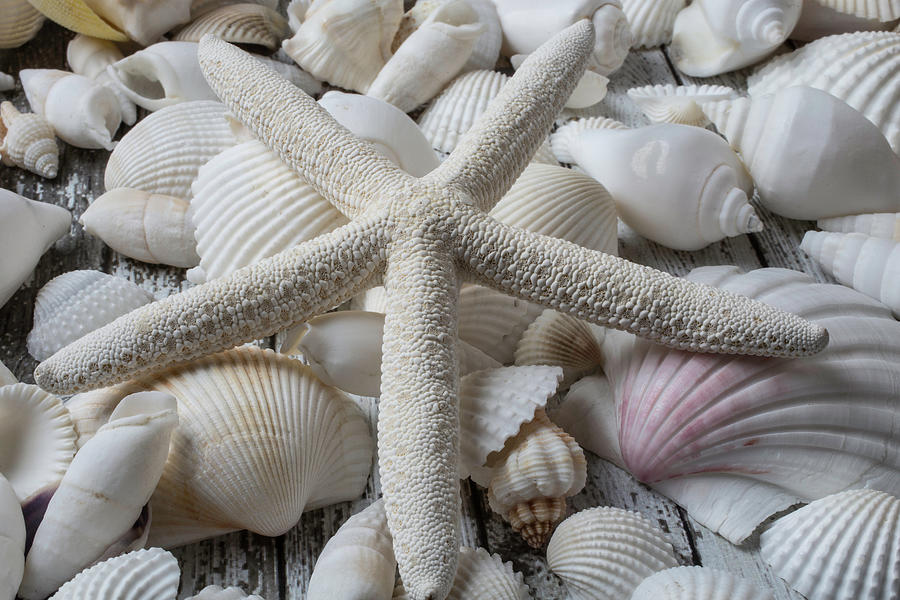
{"x":697,"y":583}
{"x":151,"y":574}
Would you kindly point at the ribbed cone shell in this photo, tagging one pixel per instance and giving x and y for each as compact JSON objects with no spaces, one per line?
{"x":260,"y":440}
{"x":879,"y":225}
{"x":239,"y":24}
{"x":606,"y":552}
{"x":697,"y":583}
{"x":20,"y":23}
{"x":77,"y":16}
{"x":140,"y":575}
{"x":163,"y":153}
{"x":559,"y":339}
{"x":483,"y":576}
{"x":494,"y":322}
{"x":248,"y":205}
{"x":563,"y":140}
{"x":28,"y":141}
{"x":678,"y":103}
{"x":651,"y":21}
{"x":842,"y":547}
{"x":882,"y":10}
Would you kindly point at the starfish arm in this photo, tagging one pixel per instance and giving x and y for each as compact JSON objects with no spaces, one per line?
{"x":612,"y":291}
{"x":344,"y":169}
{"x":251,"y":303}
{"x":418,"y":416}
{"x":497,"y":148}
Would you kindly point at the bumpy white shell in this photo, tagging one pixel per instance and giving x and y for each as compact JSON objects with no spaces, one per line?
{"x":678,"y":103}
{"x":239,"y":24}
{"x":560,"y":339}
{"x":883,"y":10}
{"x":766,"y":433}
{"x":880,"y":225}
{"x":148,"y":227}
{"x":842,"y":547}
{"x":651,"y":21}
{"x":151,"y":574}
{"x":27,"y":229}
{"x":483,"y":576}
{"x":697,"y":583}
{"x":12,"y":541}
{"x":76,"y":303}
{"x":27,"y":141}
{"x":20,"y":22}
{"x":215,"y":592}
{"x":143,"y":22}
{"x":89,"y":57}
{"x":818,"y":20}
{"x":606,"y":552}
{"x":163,"y":153}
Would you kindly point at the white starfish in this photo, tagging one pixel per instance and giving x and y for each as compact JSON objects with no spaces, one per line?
{"x":421,"y":237}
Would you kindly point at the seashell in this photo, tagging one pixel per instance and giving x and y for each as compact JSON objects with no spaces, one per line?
{"x":606,"y":552}
{"x":148,"y":227}
{"x":590,"y":90}
{"x":6,"y":376}
{"x":77,"y":16}
{"x":883,"y":10}
{"x":390,"y":130}
{"x":867,"y":264}
{"x":298,"y":77}
{"x":239,"y":24}
{"x":76,"y":303}
{"x":161,"y":75}
{"x":215,"y":592}
{"x":767,"y":434}
{"x":20,"y":23}
{"x":697,"y":583}
{"x":83,"y":113}
{"x":568,"y":134}
{"x":201,"y":7}
{"x":151,"y":574}
{"x":483,"y":576}
{"x":143,"y":22}
{"x":6,"y":82}
{"x":588,"y":413}
{"x":487,"y":47}
{"x":545,"y":155}
{"x":358,"y":562}
{"x":817,"y":21}
{"x":651,"y":21}
{"x":711,"y":37}
{"x":862,"y":69}
{"x":561,"y":340}
{"x":338,"y":43}
{"x":28,"y":142}
{"x":248,"y":205}
{"x":93,"y":507}
{"x":89,"y":57}
{"x":38,"y":438}
{"x":494,"y":322}
{"x":879,"y":225}
{"x":446,"y":38}
{"x":89,"y":411}
{"x":296,"y":12}
{"x":795,"y":145}
{"x":27,"y":230}
{"x":164,"y":152}
{"x":842,"y":546}
{"x":678,"y":103}
{"x":640,"y":166}
{"x":12,"y":541}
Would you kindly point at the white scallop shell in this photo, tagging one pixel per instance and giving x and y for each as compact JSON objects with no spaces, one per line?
{"x":75,"y":303}
{"x":89,"y":411}
{"x":89,"y":57}
{"x":163,"y":153}
{"x":12,"y":541}
{"x":817,"y":21}
{"x":483,"y":576}
{"x":27,"y":229}
{"x":20,"y":22}
{"x":651,"y":21}
{"x":560,"y":339}
{"x":880,"y":225}
{"x":151,"y":574}
{"x":842,"y":547}
{"x":27,"y":141}
{"x":143,"y":22}
{"x":767,"y":433}
{"x":7,"y":82}
{"x":697,"y":583}
{"x":215,"y":592}
{"x":239,"y":24}
{"x":883,"y":10}
{"x":606,"y":552}
{"x":588,"y":413}
{"x":148,"y":227}
{"x":678,"y":103}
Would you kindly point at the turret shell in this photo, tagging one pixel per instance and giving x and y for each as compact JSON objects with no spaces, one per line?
{"x":27,"y":141}
{"x":879,"y":225}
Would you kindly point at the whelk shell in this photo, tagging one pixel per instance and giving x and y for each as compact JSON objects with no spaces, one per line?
{"x":483,"y":576}
{"x":12,"y":541}
{"x":560,"y":339}
{"x":697,"y":583}
{"x":239,"y":24}
{"x":27,"y":141}
{"x":151,"y":574}
{"x":21,"y":22}
{"x":651,"y":21}
{"x":89,"y":57}
{"x":879,"y":225}
{"x":678,"y":103}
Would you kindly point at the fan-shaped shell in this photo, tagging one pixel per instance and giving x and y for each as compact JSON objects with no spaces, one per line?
{"x":76,"y":303}
{"x":20,"y":23}
{"x":766,"y":433}
{"x":678,"y":103}
{"x":883,"y":10}
{"x":606,"y":552}
{"x":842,"y":547}
{"x":559,"y":339}
{"x":215,"y":592}
{"x":239,"y":24}
{"x":12,"y":540}
{"x":151,"y":574}
{"x":143,"y":22}
{"x":879,"y":225}
{"x":77,"y":16}
{"x":27,"y":141}
{"x":483,"y":576}
{"x":651,"y":21}
{"x":494,"y":322}
{"x":697,"y":583}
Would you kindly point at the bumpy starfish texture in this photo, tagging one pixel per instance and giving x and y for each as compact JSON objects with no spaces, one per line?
{"x":421,"y":238}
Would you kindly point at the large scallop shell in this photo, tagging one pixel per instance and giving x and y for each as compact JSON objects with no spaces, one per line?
{"x":879,"y":225}
{"x":151,"y":574}
{"x":12,"y":541}
{"x":27,"y":141}
{"x":77,"y":16}
{"x":483,"y":576}
{"x":560,"y":339}
{"x":651,"y":21}
{"x":697,"y":583}
{"x":734,"y":439}
{"x":239,"y":24}
{"x":20,"y":22}
{"x":842,"y":547}
{"x":606,"y":552}
{"x":678,"y":103}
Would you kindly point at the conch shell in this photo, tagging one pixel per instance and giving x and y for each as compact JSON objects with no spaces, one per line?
{"x":20,"y":22}
{"x":27,"y":141}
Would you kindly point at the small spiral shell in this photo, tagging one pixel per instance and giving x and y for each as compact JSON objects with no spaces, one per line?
{"x":27,"y":141}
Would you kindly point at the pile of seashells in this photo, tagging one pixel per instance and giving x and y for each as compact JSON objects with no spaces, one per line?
{"x":250,"y":438}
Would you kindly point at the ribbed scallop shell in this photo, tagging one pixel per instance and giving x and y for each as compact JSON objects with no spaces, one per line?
{"x":215,"y":592}
{"x":163,"y":153}
{"x":38,"y":439}
{"x":494,"y":322}
{"x":842,"y":547}
{"x":140,"y":575}
{"x":12,"y":541}
{"x":606,"y":552}
{"x":239,"y":24}
{"x":651,"y":21}
{"x":75,"y":303}
{"x":20,"y":22}
{"x":483,"y":576}
{"x":559,"y":339}
{"x":678,"y":103}
{"x":883,"y":10}
{"x":28,"y":142}
{"x":248,"y":205}
{"x":879,"y":225}
{"x":77,"y":16}
{"x":697,"y":583}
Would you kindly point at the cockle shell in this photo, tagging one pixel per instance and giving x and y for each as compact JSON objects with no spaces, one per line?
{"x":38,"y":440}
{"x":697,"y":583}
{"x":883,"y":10}
{"x":7,"y":82}
{"x":151,"y":574}
{"x":560,"y":339}
{"x":239,"y":24}
{"x":796,"y":144}
{"x":27,"y":229}
{"x":678,"y":103}
{"x":76,"y":303}
{"x":81,"y":111}
{"x":12,"y":541}
{"x":818,"y":20}
{"x":89,"y":57}
{"x":27,"y":141}
{"x":842,"y":547}
{"x":143,"y":22}
{"x":606,"y":552}
{"x":93,"y":507}
{"x":20,"y":22}
{"x":215,"y":592}
{"x":346,"y":42}
{"x":77,"y":16}
{"x":867,"y":264}
{"x":483,"y":576}
{"x":164,"y":152}
{"x":651,"y":21}
{"x":763,"y":434}
{"x":161,"y":75}
{"x":879,"y":225}
{"x":148,"y":227}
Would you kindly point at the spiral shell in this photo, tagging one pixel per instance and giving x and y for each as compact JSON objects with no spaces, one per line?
{"x":879,"y":225}
{"x":697,"y":583}
{"x":483,"y":576}
{"x":678,"y":104}
{"x":651,"y":21}
{"x":151,"y":574}
{"x":20,"y":22}
{"x":27,"y":141}
{"x":239,"y":24}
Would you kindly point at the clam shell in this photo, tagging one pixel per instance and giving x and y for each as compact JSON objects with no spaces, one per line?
{"x":27,"y":141}
{"x":77,"y":16}
{"x":840,"y":547}
{"x":606,"y":552}
{"x":678,"y":103}
{"x":12,"y":540}
{"x":883,"y":10}
{"x":879,"y":225}
{"x":150,"y":575}
{"x":215,"y":592}
{"x":239,"y":24}
{"x":20,"y":23}
{"x":561,"y":340}
{"x":143,"y":22}
{"x":588,"y":413}
{"x":651,"y":21}
{"x":697,"y":583}
{"x":76,"y":303}
{"x":483,"y":576}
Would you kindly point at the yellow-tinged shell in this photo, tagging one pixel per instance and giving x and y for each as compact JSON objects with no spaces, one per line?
{"x":239,"y":24}
{"x":19,"y":22}
{"x":27,"y":141}
{"x":77,"y":16}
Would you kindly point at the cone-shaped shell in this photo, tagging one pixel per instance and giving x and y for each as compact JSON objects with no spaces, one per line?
{"x":239,"y":24}
{"x":841,"y":547}
{"x":76,"y":303}
{"x":883,"y":10}
{"x":12,"y":541}
{"x":606,"y":552}
{"x":21,"y":22}
{"x":560,"y":339}
{"x":697,"y":583}
{"x":77,"y":16}
{"x":651,"y":21}
{"x":483,"y":576}
{"x":879,"y":225}
{"x":678,"y":103}
{"x":27,"y":141}
{"x":215,"y":592}
{"x":151,"y":574}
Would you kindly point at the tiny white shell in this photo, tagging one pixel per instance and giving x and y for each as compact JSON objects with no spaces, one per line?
{"x":697,"y":583}
{"x":12,"y":541}
{"x":483,"y":576}
{"x":880,"y":225}
{"x":151,"y":574}
{"x":27,"y":141}
{"x":651,"y":21}
{"x":215,"y":592}
{"x":21,"y":22}
{"x":560,"y":339}
{"x":239,"y":24}
{"x":678,"y":103}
